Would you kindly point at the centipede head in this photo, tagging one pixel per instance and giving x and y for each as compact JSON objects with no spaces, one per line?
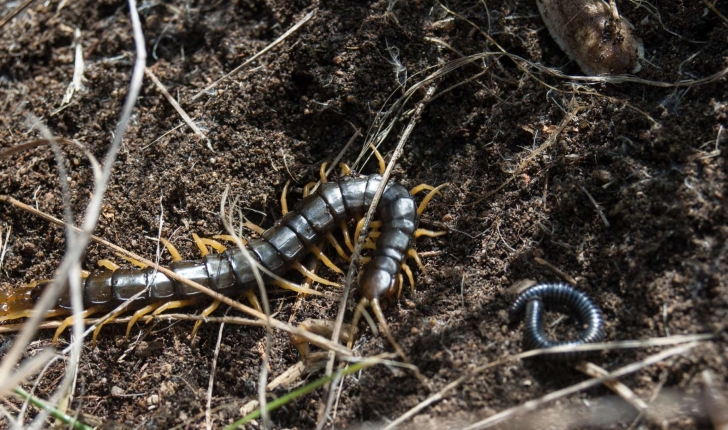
{"x":15,"y":303}
{"x":375,"y":283}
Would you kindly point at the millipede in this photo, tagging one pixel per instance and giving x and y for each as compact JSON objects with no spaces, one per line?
{"x":300,"y":232}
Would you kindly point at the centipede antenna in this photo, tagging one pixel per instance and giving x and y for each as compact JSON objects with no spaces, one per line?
{"x":284,"y":197}
{"x":428,"y":197}
{"x":385,"y":329}
{"x":361,"y":310}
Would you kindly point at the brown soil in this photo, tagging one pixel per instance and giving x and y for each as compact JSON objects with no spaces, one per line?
{"x":646,"y":154}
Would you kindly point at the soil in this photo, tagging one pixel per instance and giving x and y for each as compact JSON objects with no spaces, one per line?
{"x":650,"y":248}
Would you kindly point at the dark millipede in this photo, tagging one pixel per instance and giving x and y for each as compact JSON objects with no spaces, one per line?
{"x":279,"y":249}
{"x":535,"y":300}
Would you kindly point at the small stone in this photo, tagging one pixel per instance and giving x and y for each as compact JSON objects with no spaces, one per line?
{"x":153,"y":400}
{"x":447,"y":218}
{"x":415,"y":331}
{"x":117,"y":391}
{"x":603,"y":176}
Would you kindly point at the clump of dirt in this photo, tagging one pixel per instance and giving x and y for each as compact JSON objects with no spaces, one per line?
{"x":629,"y":198}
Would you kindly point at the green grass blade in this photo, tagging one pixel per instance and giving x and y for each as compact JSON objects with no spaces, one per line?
{"x":55,"y":413}
{"x":277,"y":403}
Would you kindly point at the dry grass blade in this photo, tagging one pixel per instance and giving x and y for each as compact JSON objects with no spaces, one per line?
{"x":185,"y":117}
{"x":256,"y":56}
{"x":15,"y":12}
{"x":619,"y":388}
{"x":535,"y":404}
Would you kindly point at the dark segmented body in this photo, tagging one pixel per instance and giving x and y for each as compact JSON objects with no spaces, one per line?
{"x":288,"y":241}
{"x":550,"y":296}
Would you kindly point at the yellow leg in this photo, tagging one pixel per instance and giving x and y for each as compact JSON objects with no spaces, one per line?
{"x":253,"y":300}
{"x":287,"y":285}
{"x":108,"y":264}
{"x":400,"y":283}
{"x":200,"y":245}
{"x":369,"y":244}
{"x":229,"y":238}
{"x":174,"y":304}
{"x":98,"y":327}
{"x":255,"y":227}
{"x":322,"y":173}
{"x":429,"y":233}
{"x":359,"y":225}
{"x":382,"y":164}
{"x":374,"y":234}
{"x":309,"y":274}
{"x":307,"y":188}
{"x":428,"y":197}
{"x":133,"y":261}
{"x":347,"y":238}
{"x":205,"y":312}
{"x":421,"y":188}
{"x":332,"y":240}
{"x":84,"y":274}
{"x":385,"y":329}
{"x":176,"y":256}
{"x":68,"y":321}
{"x":411,"y":278}
{"x":217,"y":246}
{"x":27,"y":313}
{"x":138,"y":314}
{"x":324,"y":259}
{"x":413,"y":255}
{"x":345,"y":169}
{"x":284,"y":199}
{"x":365,"y":260}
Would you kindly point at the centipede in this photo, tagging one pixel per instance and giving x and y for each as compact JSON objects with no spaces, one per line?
{"x":300,"y":232}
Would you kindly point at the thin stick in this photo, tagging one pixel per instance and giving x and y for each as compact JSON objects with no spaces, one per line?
{"x":211,"y":384}
{"x":565,"y":276}
{"x":360,"y":243}
{"x":255,"y":57}
{"x":596,"y":206}
{"x":15,"y":11}
{"x":715,"y":10}
{"x":619,"y":388}
{"x":185,"y":117}
{"x":534,"y":404}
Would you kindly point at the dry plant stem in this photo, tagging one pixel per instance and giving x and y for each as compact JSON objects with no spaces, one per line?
{"x":596,"y":206}
{"x":715,"y":402}
{"x":560,"y":273}
{"x":715,"y":10}
{"x":186,"y":118}
{"x":314,"y":339}
{"x":360,"y":243}
{"x":73,"y":256}
{"x":660,"y":341}
{"x":534,"y":404}
{"x":15,"y":12}
{"x":255,"y":57}
{"x":211,"y":384}
{"x":619,"y":388}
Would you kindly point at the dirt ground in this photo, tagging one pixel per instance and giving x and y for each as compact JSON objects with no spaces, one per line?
{"x":650,"y":248}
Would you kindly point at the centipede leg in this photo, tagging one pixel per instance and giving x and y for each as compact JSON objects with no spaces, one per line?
{"x":138,"y":314}
{"x":428,"y":197}
{"x":176,"y":256}
{"x":411,"y":278}
{"x":339,"y":250}
{"x":97,"y":330}
{"x":359,"y":225}
{"x":322,"y":173}
{"x":174,"y":304}
{"x":307,"y":188}
{"x":347,"y":237}
{"x":205,"y":312}
{"x":324,"y":259}
{"x":345,"y":169}
{"x":322,"y":328}
{"x":385,"y":329}
{"x":133,"y":261}
{"x":429,"y":233}
{"x":309,"y":274}
{"x":361,"y":310}
{"x":284,"y":198}
{"x":231,"y":239}
{"x":420,"y":188}
{"x":287,"y":285}
{"x":68,"y":321}
{"x":411,"y":253}
{"x":253,"y":300}
{"x":108,"y":264}
{"x":255,"y":227}
{"x":382,"y":164}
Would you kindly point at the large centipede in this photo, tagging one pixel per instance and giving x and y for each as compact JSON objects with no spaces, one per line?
{"x":279,"y":249}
